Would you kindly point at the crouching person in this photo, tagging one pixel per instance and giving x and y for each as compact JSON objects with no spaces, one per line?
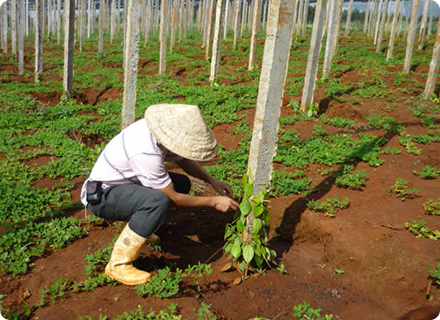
{"x":129,"y":181}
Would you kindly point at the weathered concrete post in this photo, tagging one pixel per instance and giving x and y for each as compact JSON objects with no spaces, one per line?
{"x":313,"y":59}
{"x":162,"y":37}
{"x":305,"y":17}
{"x":270,"y":94}
{"x":89,"y":19}
{"x":393,"y":30}
{"x":14,"y":28}
{"x":4,"y":31}
{"x":131,"y":60}
{"x":112,"y":19}
{"x":330,"y":38}
{"x":82,"y":23}
{"x":101,"y":26}
{"x":181,"y":18}
{"x":381,"y":27}
{"x":209,"y":29}
{"x":173,"y":24}
{"x":378,"y":19}
{"x":225,"y":24}
{"x":411,"y":36}
{"x":69,"y":34}
{"x":217,"y":40}
{"x":434,"y":66}
{"x":431,"y":18}
{"x":255,"y":26}
{"x":271,"y":90}
{"x":423,"y":26}
{"x":367,"y":12}
{"x":38,"y":40}
{"x":21,"y":31}
{"x":59,"y":21}
{"x":236,"y":22}
{"x":347,"y":24}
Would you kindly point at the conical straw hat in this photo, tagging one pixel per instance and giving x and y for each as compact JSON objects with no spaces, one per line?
{"x":181,"y":129}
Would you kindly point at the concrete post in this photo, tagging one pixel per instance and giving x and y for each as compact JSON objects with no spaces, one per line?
{"x":209,"y":29}
{"x":173,"y":24}
{"x":381,"y":27}
{"x":162,"y":37}
{"x":330,"y":37}
{"x":255,"y":26}
{"x":305,"y":16}
{"x":236,"y":22}
{"x":14,"y":28}
{"x":313,"y":59}
{"x":101,"y":26}
{"x":217,"y":40}
{"x":431,"y":18}
{"x":21,"y":31}
{"x":131,"y":60}
{"x":347,"y":24}
{"x":367,"y":12}
{"x":270,"y":93}
{"x":378,"y":19}
{"x":4,"y":31}
{"x":181,"y":18}
{"x":393,"y":29}
{"x":38,"y":40}
{"x":411,"y":36}
{"x":225,"y":31}
{"x":69,"y":33}
{"x":423,"y":26}
{"x":434,"y":66}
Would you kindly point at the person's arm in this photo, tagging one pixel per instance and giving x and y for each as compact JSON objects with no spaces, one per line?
{"x":194,"y":169}
{"x":183,"y":200}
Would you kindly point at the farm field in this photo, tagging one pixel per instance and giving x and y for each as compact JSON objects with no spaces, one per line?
{"x":354,"y":206}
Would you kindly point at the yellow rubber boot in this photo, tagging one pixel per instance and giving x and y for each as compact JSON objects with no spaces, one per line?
{"x":125,"y":251}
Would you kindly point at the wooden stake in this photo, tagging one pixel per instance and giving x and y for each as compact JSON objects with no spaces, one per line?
{"x":411,"y":36}
{"x":434,"y":66}
{"x":131,"y":60}
{"x":313,"y":59}
{"x":217,"y":40}
{"x":69,"y":32}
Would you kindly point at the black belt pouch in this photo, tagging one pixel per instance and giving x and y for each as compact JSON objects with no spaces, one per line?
{"x":94,"y":192}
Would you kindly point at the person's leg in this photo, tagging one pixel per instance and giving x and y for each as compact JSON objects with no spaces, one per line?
{"x":181,"y":183}
{"x":145,"y":209}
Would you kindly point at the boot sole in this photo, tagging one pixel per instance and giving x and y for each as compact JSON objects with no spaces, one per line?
{"x":128,"y":283}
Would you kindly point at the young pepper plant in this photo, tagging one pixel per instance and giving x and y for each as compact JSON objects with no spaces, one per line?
{"x":247,"y":242}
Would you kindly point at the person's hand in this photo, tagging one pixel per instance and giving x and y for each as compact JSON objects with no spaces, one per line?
{"x":222,"y":188}
{"x":224,"y":204}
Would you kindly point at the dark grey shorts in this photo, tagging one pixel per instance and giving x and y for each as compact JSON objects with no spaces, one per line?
{"x":144,"y":208}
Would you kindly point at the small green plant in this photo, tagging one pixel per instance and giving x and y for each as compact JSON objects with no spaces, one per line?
{"x":420,"y":230}
{"x":247,"y":242}
{"x":428,"y":172}
{"x":406,"y":140}
{"x":170,"y":313}
{"x":303,"y":311}
{"x":347,"y":179}
{"x":435,"y":274}
{"x":402,"y":190}
{"x":282,"y":268}
{"x":432,"y":207}
{"x":330,"y":206}
{"x":339,"y":272}
{"x":386,"y":123}
{"x":54,"y":292}
{"x":204,"y":312}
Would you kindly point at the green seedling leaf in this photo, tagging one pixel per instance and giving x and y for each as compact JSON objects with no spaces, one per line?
{"x":240,"y":226}
{"x":257,"y":225}
{"x":248,"y":189}
{"x":248,"y":253}
{"x":258,"y":210}
{"x":235,"y":250}
{"x":245,"y":207}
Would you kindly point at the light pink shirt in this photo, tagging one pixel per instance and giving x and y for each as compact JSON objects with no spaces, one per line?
{"x":133,"y":156}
